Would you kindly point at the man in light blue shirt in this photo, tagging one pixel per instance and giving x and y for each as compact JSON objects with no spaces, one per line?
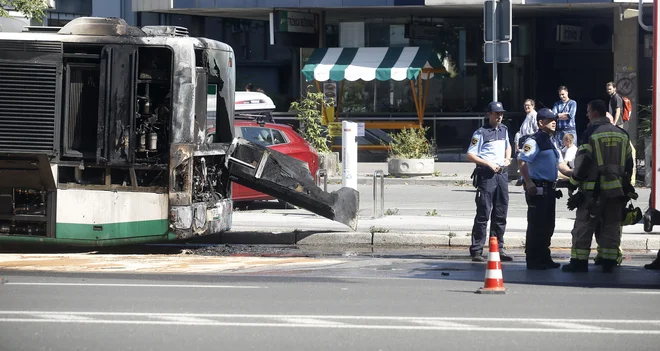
{"x":540,"y":161}
{"x":490,"y":150}
{"x":565,"y":110}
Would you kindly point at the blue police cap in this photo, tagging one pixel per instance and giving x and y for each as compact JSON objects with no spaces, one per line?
{"x":545,"y":113}
{"x":495,"y":106}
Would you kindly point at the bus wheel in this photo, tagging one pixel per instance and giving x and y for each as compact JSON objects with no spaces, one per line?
{"x":648,"y":222}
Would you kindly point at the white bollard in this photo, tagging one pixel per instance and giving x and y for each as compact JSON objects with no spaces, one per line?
{"x":349,"y":149}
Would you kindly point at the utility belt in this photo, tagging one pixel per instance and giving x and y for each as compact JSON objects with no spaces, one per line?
{"x":486,"y":172}
{"x":544,"y":187}
{"x":545,"y":184}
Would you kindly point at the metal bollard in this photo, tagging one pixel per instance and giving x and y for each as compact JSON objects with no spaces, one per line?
{"x":382,"y":193}
{"x":322,"y":173}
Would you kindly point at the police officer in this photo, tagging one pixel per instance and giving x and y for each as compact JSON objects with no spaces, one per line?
{"x":539,"y":162}
{"x":603,"y":167}
{"x":490,"y":150}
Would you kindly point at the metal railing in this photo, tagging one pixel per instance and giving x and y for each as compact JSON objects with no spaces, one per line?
{"x":322,"y":173}
{"x":379,"y":173}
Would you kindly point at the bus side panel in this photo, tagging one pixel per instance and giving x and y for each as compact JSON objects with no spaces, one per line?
{"x":103,"y":215}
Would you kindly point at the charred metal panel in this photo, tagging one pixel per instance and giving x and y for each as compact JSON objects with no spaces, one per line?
{"x":31,"y":50}
{"x":220,"y":65}
{"x":29,"y":106}
{"x":200,"y":106}
{"x":26,"y":171}
{"x":118,"y":72}
{"x":288,"y":179}
{"x":183,"y":90}
{"x":201,"y":218}
{"x":181,"y":169}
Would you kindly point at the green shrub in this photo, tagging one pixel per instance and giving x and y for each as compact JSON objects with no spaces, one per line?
{"x":410,"y":143}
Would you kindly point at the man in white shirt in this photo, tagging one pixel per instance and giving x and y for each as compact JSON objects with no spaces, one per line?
{"x":528,"y":127}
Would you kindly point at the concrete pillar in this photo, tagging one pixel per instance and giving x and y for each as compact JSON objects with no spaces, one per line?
{"x":625,"y":65}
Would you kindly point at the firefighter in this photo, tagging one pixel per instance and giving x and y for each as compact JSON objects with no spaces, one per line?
{"x":540,"y":160}
{"x":603,"y":167}
{"x":490,"y":150}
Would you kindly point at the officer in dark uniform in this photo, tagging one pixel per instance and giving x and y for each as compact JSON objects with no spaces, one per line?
{"x":490,"y":150}
{"x":540,"y":161}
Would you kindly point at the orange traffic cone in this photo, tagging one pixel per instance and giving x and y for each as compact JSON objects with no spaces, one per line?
{"x":494,"y":283}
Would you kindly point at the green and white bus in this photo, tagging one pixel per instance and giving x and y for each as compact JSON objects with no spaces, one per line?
{"x":103,"y":136}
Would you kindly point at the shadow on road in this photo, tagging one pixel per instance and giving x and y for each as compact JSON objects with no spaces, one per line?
{"x":624,"y":277}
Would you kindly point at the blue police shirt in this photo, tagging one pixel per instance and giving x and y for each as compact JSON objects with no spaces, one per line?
{"x":490,"y":143}
{"x":542,"y":157}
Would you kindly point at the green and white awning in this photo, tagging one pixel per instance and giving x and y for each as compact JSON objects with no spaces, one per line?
{"x":372,"y":63}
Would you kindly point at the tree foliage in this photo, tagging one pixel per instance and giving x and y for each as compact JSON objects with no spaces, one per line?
{"x":34,"y":9}
{"x":309,"y":113}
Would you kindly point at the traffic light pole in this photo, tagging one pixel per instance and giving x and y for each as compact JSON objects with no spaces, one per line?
{"x":495,"y":41}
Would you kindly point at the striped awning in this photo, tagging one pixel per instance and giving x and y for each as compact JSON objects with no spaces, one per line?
{"x":371,"y":63}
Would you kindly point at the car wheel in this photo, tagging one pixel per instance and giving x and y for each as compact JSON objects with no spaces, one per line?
{"x":287,"y":206}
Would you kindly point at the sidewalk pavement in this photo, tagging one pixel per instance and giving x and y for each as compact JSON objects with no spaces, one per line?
{"x":304,"y":228}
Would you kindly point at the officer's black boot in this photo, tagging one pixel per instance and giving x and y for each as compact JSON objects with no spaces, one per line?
{"x":608,"y":265}
{"x":551,"y":264}
{"x":476,"y":256}
{"x":655,"y":265}
{"x":504,"y":257}
{"x":576,"y":266}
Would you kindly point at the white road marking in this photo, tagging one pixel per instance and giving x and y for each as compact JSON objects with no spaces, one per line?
{"x":645,"y":292}
{"x":342,"y":317}
{"x":336,"y":326}
{"x":62,"y":317}
{"x":197,"y":286}
{"x":309,"y":321}
{"x":184,"y":319}
{"x":444,"y":324}
{"x":572,"y":326}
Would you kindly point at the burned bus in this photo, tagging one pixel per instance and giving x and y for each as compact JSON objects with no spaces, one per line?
{"x":103,"y":138}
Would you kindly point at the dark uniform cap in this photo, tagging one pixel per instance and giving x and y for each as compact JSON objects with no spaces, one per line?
{"x":545,"y":113}
{"x":495,"y":106}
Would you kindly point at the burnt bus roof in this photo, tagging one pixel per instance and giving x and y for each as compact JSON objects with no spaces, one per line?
{"x":97,"y":30}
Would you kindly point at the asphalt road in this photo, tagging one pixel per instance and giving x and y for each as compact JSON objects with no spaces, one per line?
{"x":397,"y":301}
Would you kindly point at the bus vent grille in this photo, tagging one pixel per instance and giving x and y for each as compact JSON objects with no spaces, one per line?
{"x":31,"y":46}
{"x":27,"y":107}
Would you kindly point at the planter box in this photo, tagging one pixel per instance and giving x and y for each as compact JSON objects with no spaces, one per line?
{"x":330,"y":162}
{"x":410,"y":167}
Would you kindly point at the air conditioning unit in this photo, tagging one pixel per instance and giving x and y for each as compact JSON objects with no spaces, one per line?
{"x":569,"y":34}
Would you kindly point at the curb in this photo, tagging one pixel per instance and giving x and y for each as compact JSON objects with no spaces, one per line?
{"x":409,"y":181}
{"x":449,"y":239}
{"x":458,"y":181}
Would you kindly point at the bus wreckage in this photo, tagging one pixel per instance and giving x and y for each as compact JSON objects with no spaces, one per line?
{"x":103,"y":139}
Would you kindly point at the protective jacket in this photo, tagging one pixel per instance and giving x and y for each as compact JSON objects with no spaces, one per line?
{"x":604,"y":160}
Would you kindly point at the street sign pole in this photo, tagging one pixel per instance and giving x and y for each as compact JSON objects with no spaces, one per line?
{"x":493,"y":23}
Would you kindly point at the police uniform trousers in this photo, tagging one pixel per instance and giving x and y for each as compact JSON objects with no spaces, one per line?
{"x":604,"y":217}
{"x":492,"y":203}
{"x":540,"y":222}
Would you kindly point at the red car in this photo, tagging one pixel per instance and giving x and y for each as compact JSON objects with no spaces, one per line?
{"x":279,"y":137}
